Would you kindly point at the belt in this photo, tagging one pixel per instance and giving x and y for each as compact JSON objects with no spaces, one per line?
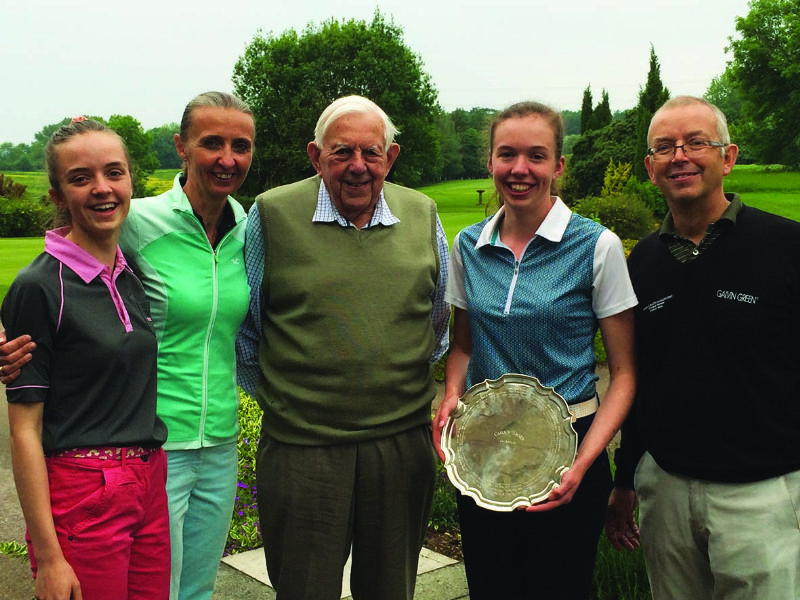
{"x":105,"y":452}
{"x":585,"y":408}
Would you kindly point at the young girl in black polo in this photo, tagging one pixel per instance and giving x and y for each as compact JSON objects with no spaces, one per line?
{"x":85,"y":438}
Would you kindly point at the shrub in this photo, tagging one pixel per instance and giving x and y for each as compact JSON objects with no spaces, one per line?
{"x":15,"y":550}
{"x":628,"y":245}
{"x":9,"y":189}
{"x":245,"y":531}
{"x":444,"y":512}
{"x":647,"y":193}
{"x":246,"y":201}
{"x":617,"y":175}
{"x":624,"y":214}
{"x":599,"y":348}
{"x":24,"y":218}
{"x":591,"y":155}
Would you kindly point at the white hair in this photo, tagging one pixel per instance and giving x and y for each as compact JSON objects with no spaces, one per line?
{"x":353,"y":104}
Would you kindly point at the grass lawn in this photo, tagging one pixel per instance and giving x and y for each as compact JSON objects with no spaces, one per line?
{"x":35,"y":180}
{"x":15,"y":253}
{"x":161,"y":180}
{"x":457,"y":202}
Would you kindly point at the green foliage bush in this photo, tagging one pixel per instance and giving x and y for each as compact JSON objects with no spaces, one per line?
{"x":617,"y":175}
{"x":444,"y":512}
{"x":9,"y":189}
{"x":246,"y":201}
{"x":647,"y":193}
{"x":14,"y":549}
{"x":289,"y":79}
{"x":24,"y":218}
{"x":245,"y":531}
{"x":590,"y":157}
{"x":624,"y":214}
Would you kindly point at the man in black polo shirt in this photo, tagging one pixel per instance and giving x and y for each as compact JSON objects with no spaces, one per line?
{"x":711,"y":445}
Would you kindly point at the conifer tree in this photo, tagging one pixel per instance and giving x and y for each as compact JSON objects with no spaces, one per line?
{"x":651,"y":98}
{"x":601,"y":116}
{"x":586,"y":110}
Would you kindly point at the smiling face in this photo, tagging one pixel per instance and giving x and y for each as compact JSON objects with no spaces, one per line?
{"x":94,"y":185}
{"x":682,"y":179}
{"x":217,"y":152}
{"x":523,"y":162}
{"x":353,"y":164}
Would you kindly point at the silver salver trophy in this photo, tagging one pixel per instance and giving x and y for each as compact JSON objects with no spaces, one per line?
{"x":508,"y":442}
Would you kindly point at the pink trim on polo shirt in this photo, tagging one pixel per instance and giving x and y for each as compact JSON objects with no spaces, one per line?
{"x":87,"y":267}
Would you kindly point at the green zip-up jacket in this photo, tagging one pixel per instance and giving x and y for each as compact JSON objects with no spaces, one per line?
{"x":198,"y":297}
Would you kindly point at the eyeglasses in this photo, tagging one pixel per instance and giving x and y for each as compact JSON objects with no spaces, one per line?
{"x":668,"y":150}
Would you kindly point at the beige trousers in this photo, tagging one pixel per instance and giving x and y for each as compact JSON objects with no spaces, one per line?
{"x":708,"y":540}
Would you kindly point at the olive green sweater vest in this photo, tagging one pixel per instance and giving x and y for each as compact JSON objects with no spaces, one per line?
{"x":347,"y":334}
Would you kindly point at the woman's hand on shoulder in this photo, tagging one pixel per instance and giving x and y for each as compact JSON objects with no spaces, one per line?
{"x":13,"y":355}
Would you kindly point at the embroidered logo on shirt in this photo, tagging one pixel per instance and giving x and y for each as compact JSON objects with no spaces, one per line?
{"x":737,"y":297}
{"x":657,"y":304}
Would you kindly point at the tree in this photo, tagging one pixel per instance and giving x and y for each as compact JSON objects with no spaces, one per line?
{"x":452,"y":156}
{"x":651,"y":98}
{"x":766,"y":71}
{"x":164,"y":145}
{"x":723,"y":93}
{"x":601,"y":115}
{"x":289,"y":79}
{"x":475,"y":147}
{"x":472,"y":129}
{"x":591,"y":155}
{"x":15,"y":157}
{"x":40,"y":139}
{"x":569,"y":143}
{"x":586,"y":110}
{"x":572,"y":122}
{"x":139,"y":145}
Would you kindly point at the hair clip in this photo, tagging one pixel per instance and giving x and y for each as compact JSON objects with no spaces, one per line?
{"x":78,"y":119}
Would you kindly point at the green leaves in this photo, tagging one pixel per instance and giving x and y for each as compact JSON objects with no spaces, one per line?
{"x":766,"y":72}
{"x":139,"y":145}
{"x":289,"y":79}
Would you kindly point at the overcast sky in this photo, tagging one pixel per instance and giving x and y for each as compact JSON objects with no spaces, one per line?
{"x":148,"y":58}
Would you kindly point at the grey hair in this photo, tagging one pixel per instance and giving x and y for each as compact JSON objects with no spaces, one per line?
{"x":353,"y":104}
{"x":678,"y":101}
{"x":213,"y":100}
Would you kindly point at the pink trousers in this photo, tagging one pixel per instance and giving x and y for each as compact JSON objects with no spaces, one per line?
{"x":112,"y":522}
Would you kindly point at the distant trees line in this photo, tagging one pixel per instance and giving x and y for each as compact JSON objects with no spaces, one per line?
{"x":289,"y":78}
{"x":462,"y":135}
{"x":149,"y":150}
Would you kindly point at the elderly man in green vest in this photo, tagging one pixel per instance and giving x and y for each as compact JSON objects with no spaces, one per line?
{"x":347,"y":315}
